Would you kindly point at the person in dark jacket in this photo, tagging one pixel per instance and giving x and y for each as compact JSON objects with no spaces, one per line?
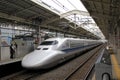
{"x":46,"y":36}
{"x":13,"y":48}
{"x":12,"y":51}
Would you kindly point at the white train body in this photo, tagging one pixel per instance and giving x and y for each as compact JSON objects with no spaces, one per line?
{"x":56,"y":50}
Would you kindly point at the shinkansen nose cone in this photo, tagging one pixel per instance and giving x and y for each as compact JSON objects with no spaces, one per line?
{"x":33,"y":59}
{"x":38,"y":60}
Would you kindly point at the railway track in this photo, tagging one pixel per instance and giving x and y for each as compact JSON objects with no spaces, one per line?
{"x":82,"y":72}
{"x":68,"y":71}
{"x":24,"y":75}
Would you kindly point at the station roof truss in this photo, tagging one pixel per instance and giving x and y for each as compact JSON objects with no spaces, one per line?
{"x":106,"y":14}
{"x":28,"y":12}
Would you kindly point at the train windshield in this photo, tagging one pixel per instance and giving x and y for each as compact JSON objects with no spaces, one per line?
{"x":49,"y":43}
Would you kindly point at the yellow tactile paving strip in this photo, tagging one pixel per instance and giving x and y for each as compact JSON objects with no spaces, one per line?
{"x":115,"y":66}
{"x":93,"y":78}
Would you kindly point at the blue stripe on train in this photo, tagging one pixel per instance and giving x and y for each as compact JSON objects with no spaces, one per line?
{"x":76,"y":48}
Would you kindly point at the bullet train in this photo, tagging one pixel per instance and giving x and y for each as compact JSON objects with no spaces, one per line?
{"x":56,"y":50}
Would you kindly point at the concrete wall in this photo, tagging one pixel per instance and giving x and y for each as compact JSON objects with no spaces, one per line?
{"x":5,"y":53}
{"x":24,"y":47}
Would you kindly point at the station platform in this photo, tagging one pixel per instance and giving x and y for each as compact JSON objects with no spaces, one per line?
{"x":109,"y":61}
{"x":103,"y":66}
{"x":5,"y":62}
{"x":115,"y":66}
{"x":10,"y":66}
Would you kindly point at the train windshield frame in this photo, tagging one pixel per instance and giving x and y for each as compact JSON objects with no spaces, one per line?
{"x":49,"y":43}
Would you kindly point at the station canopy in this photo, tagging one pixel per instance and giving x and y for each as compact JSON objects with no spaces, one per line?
{"x":75,"y":12}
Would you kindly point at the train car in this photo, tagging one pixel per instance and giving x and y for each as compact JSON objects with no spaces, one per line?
{"x":56,"y":50}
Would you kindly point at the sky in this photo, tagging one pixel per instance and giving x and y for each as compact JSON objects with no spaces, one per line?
{"x":62,"y":6}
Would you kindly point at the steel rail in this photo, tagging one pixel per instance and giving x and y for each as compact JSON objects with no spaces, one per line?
{"x":82,"y":65}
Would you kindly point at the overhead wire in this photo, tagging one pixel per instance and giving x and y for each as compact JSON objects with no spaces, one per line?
{"x":63,"y":6}
{"x":60,"y":5}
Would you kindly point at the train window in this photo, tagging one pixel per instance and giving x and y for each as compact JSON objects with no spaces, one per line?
{"x":38,"y":48}
{"x":45,"y":48}
{"x":55,"y":42}
{"x":49,"y":43}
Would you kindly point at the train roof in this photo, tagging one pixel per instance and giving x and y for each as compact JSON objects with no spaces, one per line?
{"x":60,"y":39}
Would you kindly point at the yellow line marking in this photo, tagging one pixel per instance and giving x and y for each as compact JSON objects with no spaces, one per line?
{"x":93,"y":78}
{"x":115,"y":66}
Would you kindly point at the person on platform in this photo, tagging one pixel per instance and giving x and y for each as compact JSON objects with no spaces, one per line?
{"x":46,"y":36}
{"x":13,"y":49}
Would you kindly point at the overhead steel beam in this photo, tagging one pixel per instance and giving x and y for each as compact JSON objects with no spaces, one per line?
{"x":15,"y":5}
{"x":50,"y":20}
{"x":74,"y":12}
{"x":84,"y":13}
{"x":5,"y":1}
{"x":100,"y":15}
{"x":40,"y":3}
{"x":99,"y":1}
{"x":14,"y":18}
{"x":91,"y":11}
{"x":59,"y":29}
{"x":16,"y":12}
{"x":18,"y":19}
{"x":23,"y":9}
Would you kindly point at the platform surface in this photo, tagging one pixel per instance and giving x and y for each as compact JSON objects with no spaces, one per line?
{"x":4,"y":62}
{"x":115,"y":67}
